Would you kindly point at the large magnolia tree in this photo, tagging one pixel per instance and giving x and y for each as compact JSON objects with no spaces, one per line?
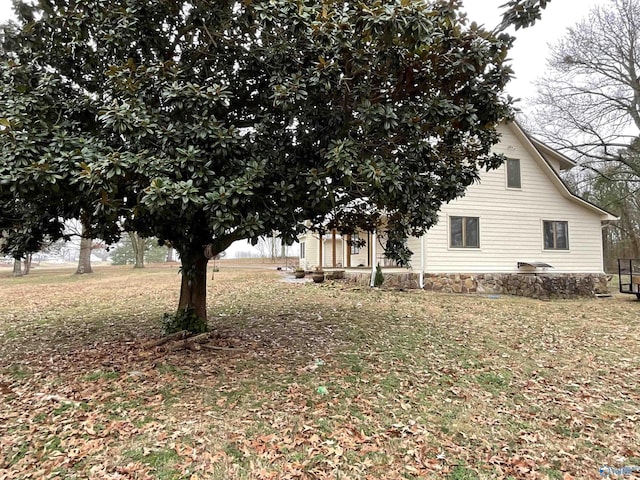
{"x":204,"y":122}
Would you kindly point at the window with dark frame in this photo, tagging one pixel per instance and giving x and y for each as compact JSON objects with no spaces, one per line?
{"x":513,"y":173}
{"x":556,"y":235}
{"x":464,"y":232}
{"x":355,"y":245}
{"x":302,"y":250}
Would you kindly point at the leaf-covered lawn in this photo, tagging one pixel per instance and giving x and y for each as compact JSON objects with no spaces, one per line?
{"x":331,"y":381}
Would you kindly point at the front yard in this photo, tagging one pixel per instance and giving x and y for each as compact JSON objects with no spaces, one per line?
{"x":328,"y":381}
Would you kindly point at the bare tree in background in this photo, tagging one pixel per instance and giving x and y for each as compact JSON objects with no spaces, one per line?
{"x":22,"y":266}
{"x":588,"y":107}
{"x":84,"y":260}
{"x":139,"y":244}
{"x":270,"y":246}
{"x":17,"y":267}
{"x":82,"y":229}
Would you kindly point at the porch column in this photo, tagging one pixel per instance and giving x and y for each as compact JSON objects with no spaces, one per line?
{"x":348,"y":252}
{"x":320,"y":252}
{"x":373,"y":254}
{"x":333,"y":246}
{"x":422,"y":261}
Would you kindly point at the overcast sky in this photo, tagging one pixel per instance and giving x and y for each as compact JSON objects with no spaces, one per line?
{"x":5,"y":9}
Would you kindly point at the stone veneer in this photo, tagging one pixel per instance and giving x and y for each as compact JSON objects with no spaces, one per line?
{"x":394,"y":280}
{"x":543,"y":286}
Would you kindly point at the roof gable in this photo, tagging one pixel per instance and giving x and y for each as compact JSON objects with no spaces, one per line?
{"x":542,"y":154}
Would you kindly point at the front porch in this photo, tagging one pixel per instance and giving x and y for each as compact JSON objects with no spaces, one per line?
{"x":362,"y":251}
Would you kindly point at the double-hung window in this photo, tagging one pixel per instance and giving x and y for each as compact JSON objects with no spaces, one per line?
{"x":464,"y":232}
{"x":556,"y":235}
{"x":302,"y":250}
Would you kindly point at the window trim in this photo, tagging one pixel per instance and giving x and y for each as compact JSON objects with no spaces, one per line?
{"x":555,"y":248}
{"x":464,"y":236}
{"x":506,"y":174}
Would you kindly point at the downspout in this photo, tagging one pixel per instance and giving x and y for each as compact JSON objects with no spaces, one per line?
{"x":333,"y":247}
{"x":347,"y":251}
{"x":374,"y":240}
{"x":344,"y":250}
{"x":422,"y":262}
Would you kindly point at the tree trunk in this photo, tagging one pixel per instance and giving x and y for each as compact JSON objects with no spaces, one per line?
{"x":84,"y":261}
{"x":138,"y":244}
{"x":27,"y":264}
{"x":274,"y":255}
{"x":627,"y":225}
{"x":193,"y":290}
{"x":635,"y":244}
{"x":17,"y":268}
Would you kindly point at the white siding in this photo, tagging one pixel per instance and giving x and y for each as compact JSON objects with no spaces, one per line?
{"x":362,"y":257}
{"x":310,"y":260}
{"x":415,"y":246}
{"x":327,"y":252}
{"x":511,"y":223}
{"x":554,"y":163}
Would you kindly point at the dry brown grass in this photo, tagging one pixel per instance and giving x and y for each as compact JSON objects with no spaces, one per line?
{"x":332,"y":382}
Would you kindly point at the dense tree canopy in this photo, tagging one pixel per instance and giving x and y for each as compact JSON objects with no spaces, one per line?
{"x":43,"y":147}
{"x":203,"y":122}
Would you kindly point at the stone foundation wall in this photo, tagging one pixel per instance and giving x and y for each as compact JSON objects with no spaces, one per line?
{"x":543,"y":286}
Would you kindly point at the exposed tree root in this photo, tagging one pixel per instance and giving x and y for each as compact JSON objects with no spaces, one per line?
{"x":169,"y":338}
{"x":224,"y":349}
{"x":189,"y":342}
{"x":182,"y":341}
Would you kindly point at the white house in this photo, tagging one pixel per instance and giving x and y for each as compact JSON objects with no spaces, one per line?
{"x":520,"y":225}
